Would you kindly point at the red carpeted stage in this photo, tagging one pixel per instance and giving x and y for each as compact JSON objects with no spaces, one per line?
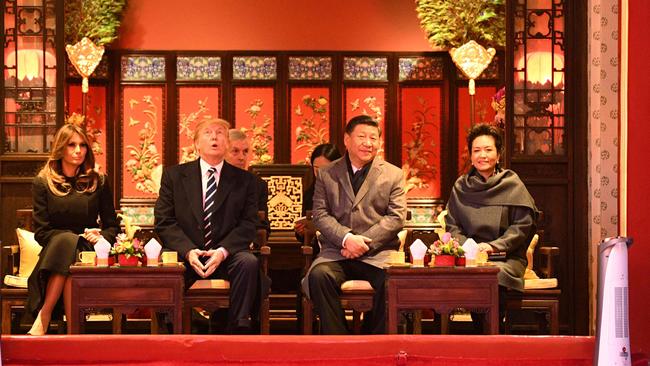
{"x":407,"y":350}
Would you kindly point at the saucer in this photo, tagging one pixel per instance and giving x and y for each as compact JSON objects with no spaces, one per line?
{"x":398,"y":264}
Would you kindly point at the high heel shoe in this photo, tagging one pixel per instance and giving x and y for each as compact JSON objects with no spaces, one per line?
{"x":39,"y":328}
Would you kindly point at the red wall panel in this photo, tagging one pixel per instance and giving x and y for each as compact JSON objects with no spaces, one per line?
{"x":638,"y":177}
{"x":272,"y":25}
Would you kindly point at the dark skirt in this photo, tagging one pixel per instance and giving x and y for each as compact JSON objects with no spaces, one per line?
{"x":56,"y":257}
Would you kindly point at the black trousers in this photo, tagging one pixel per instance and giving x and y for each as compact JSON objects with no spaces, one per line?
{"x":325,"y":281}
{"x":242,"y":270}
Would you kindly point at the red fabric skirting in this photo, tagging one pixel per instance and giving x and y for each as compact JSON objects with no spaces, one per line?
{"x":297,"y":350}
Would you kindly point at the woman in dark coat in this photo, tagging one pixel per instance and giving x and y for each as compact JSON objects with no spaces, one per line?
{"x":69,"y":196}
{"x":492,"y":206}
{"x":322,"y":155}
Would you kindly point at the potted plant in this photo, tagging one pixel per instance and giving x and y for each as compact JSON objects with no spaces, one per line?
{"x":446,"y":252}
{"x":128,"y":249}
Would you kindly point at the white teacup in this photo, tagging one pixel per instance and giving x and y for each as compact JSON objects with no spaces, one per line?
{"x":397,"y":257}
{"x":169,"y":257}
{"x":87,"y":257}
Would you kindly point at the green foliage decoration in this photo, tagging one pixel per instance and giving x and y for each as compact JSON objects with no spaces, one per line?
{"x":452,"y":23}
{"x":98,"y":20}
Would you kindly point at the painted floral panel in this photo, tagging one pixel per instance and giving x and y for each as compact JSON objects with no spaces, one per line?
{"x":421,"y":145}
{"x":198,"y":68}
{"x":254,"y":68}
{"x":255,"y":115}
{"x":421,"y":68}
{"x":194,"y":105}
{"x":368,"y":101}
{"x":365,"y":68}
{"x":310,"y":68}
{"x":483,"y":112}
{"x":142,"y":141}
{"x":143,"y":68}
{"x":310,"y":121}
{"x":95,"y":119}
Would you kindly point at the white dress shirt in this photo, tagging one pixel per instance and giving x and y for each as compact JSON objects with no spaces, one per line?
{"x":205,"y":176}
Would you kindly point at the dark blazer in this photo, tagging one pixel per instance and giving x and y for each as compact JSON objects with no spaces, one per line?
{"x":179,"y":209}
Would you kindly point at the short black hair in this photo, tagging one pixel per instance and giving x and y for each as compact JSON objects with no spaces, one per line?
{"x":361,"y":120}
{"x":328,"y":151}
{"x":483,"y":129}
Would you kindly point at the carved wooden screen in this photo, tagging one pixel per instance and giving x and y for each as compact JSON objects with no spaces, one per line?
{"x":287,"y":184}
{"x":254,"y":79}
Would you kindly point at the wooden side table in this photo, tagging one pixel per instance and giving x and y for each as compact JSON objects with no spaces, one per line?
{"x":124,"y":289}
{"x":443,"y":289}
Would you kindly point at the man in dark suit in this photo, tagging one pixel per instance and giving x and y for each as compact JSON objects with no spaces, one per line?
{"x":238,"y":156}
{"x":207,"y":212}
{"x":359,"y":207}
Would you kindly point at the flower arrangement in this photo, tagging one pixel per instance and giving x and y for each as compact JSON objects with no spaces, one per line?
{"x":125,"y":243}
{"x":446,"y":245}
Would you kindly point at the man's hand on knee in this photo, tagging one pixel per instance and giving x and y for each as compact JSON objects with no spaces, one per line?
{"x":215,"y":257}
{"x":194,"y":259}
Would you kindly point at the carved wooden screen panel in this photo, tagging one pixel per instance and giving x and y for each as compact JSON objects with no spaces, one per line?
{"x":254,"y":103}
{"x":539,"y":82}
{"x":95,"y":119}
{"x":255,"y":115}
{"x":483,"y":113}
{"x":371,"y":102}
{"x":143,"y":110}
{"x":287,"y":184}
{"x":195,"y":103}
{"x":29,"y":90}
{"x":365,"y":80}
{"x":310,"y":121}
{"x":421,"y":142}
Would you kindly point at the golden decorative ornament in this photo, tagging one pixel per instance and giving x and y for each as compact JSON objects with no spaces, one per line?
{"x":472,"y":58}
{"x":85,"y":56}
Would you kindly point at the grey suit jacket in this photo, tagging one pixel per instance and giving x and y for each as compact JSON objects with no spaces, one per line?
{"x":377,"y":211}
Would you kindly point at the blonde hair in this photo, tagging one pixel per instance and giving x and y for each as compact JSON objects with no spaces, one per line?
{"x":236,"y":135}
{"x":87,"y":178}
{"x":208,"y":122}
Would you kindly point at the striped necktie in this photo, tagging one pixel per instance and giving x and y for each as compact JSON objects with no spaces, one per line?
{"x":208,"y":207}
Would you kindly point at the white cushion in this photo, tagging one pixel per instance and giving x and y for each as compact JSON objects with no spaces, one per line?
{"x":29,"y":250}
{"x":540,"y":283}
{"x":210,"y":284}
{"x":355,"y":285}
{"x":15,"y":281}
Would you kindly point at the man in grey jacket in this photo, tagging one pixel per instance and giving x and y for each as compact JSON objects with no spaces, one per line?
{"x":359,"y":207}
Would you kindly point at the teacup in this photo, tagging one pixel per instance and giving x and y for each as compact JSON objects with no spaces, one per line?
{"x":397,"y":257}
{"x":87,"y":257}
{"x":169,"y":257}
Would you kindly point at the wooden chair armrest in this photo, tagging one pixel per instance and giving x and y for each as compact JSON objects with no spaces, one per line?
{"x":308,"y":253}
{"x":549,"y":251}
{"x":265,"y":253}
{"x":546,"y":268}
{"x":9,"y":260}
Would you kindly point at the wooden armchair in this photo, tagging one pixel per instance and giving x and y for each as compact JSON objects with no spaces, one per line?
{"x":13,"y":298}
{"x":541,"y":295}
{"x":212,"y":295}
{"x":356,"y":295}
